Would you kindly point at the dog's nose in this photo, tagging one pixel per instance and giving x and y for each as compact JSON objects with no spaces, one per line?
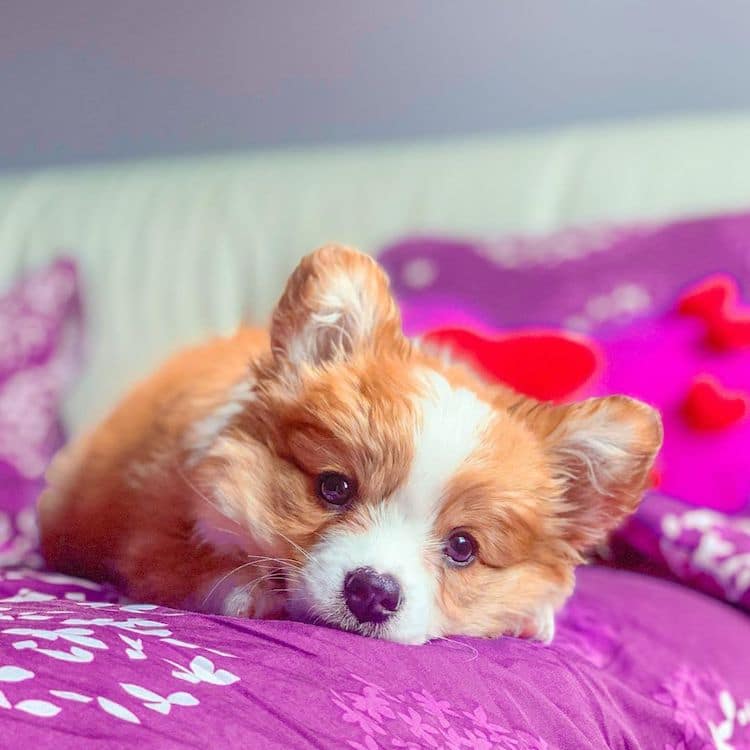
{"x":371,"y":596}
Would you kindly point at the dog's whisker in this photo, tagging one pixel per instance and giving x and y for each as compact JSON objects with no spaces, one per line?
{"x":271,"y":557}
{"x":474,"y":652}
{"x":302,"y":551}
{"x":189,"y":482}
{"x":221,"y":580}
{"x":249,"y":588}
{"x":224,"y":578}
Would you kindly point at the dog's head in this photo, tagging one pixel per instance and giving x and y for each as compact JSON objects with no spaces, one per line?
{"x":415,"y":499}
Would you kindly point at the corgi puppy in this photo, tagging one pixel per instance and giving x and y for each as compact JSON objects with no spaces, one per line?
{"x":334,"y":471}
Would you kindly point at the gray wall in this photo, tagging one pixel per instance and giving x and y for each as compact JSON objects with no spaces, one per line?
{"x":96,"y":79}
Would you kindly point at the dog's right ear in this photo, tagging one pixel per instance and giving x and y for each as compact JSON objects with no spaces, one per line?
{"x":602,"y":451}
{"x":336,"y":302}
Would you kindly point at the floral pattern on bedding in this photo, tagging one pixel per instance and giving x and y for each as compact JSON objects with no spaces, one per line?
{"x":78,"y":664}
{"x":701,"y":548}
{"x":40,"y":352}
{"x":56,"y":618}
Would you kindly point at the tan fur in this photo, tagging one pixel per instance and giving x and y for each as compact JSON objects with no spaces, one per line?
{"x":204,"y":476}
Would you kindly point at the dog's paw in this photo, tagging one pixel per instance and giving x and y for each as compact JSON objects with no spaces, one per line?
{"x":540,"y":627}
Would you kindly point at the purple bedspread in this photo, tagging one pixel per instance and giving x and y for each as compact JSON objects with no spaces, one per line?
{"x":637,"y":663}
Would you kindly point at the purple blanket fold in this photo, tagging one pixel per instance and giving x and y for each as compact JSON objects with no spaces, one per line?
{"x":638,"y":663}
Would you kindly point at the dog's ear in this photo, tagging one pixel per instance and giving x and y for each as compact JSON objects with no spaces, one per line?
{"x":602,"y":451}
{"x":336,"y":302}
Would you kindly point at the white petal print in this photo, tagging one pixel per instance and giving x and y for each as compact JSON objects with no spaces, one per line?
{"x":68,"y":695}
{"x":75,"y":655}
{"x":727,"y":704}
{"x":176,"y":642}
{"x":141,"y":623}
{"x":80,"y":636}
{"x":135,"y":652}
{"x":138,"y":608}
{"x":14,"y":674}
{"x":162,"y":707}
{"x":224,"y":677}
{"x":91,"y":621}
{"x":145,"y":627}
{"x":20,"y":645}
{"x":115,"y":709}
{"x":202,"y":670}
{"x":141,"y":692}
{"x":62,"y":634}
{"x":136,"y":643}
{"x":27,"y":595}
{"x":179,"y":674}
{"x":38,"y":708}
{"x":64,"y":580}
{"x":202,"y":666}
{"x":182,"y":699}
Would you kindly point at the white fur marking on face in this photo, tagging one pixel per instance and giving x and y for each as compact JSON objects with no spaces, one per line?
{"x":399,"y":534}
{"x":450,"y":427}
{"x":393,"y":545}
{"x":204,"y":432}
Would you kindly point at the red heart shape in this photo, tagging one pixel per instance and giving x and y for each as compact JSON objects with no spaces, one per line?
{"x":707,"y":298}
{"x":730,"y":331}
{"x":716,"y":301}
{"x":710,"y":406}
{"x":547,"y":365}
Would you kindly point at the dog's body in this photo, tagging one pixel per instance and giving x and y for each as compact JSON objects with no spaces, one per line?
{"x":336,"y":470}
{"x":121,"y":504}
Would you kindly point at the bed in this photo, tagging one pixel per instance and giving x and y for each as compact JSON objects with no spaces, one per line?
{"x":651,"y":651}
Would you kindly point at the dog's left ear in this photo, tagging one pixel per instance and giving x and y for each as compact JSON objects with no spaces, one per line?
{"x":602,"y":451}
{"x":337,"y":301}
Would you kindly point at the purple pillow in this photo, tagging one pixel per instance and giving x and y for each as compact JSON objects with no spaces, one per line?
{"x":587,"y":280}
{"x":619,"y":287}
{"x":40,"y":348}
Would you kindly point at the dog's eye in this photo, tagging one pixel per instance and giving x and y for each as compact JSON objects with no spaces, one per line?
{"x":335,"y":489}
{"x":460,"y":548}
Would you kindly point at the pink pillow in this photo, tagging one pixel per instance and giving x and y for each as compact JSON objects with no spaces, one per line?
{"x":40,"y":351}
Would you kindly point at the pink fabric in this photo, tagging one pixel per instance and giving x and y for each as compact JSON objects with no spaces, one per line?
{"x":40,"y":351}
